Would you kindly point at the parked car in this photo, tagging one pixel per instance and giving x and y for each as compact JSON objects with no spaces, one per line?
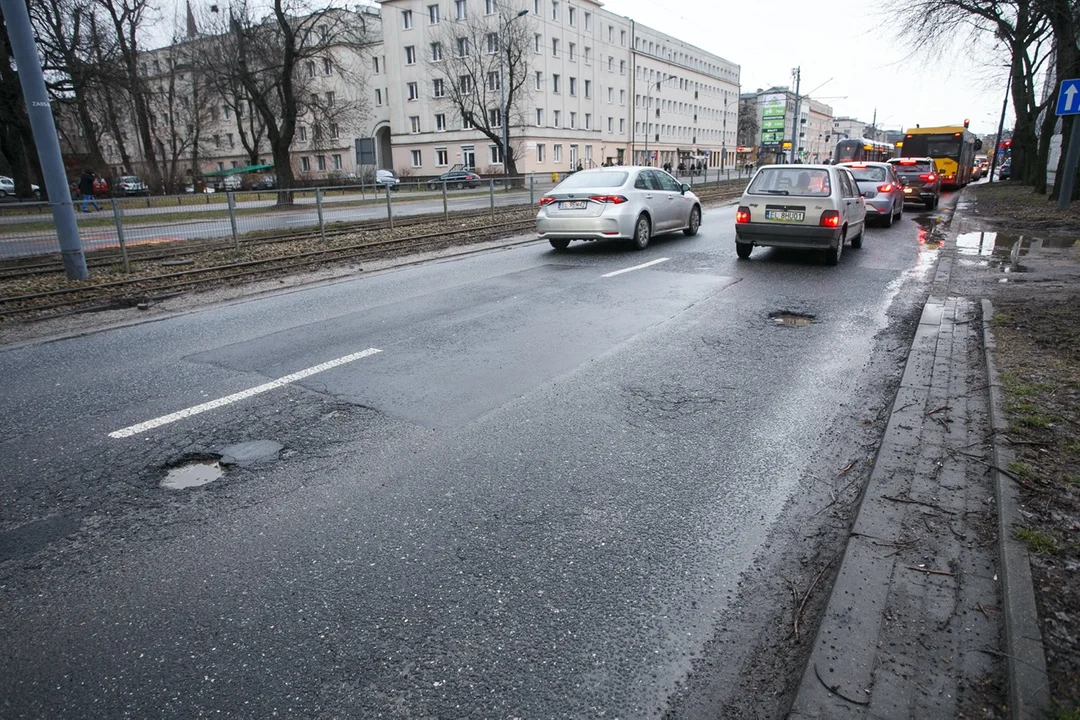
{"x":131,"y":185}
{"x":7,"y":188}
{"x":629,"y":203}
{"x":455,"y":179}
{"x":387,"y":178}
{"x":265,"y":182}
{"x":1005,"y":171}
{"x":920,"y":179}
{"x":816,"y":207}
{"x":881,"y":189}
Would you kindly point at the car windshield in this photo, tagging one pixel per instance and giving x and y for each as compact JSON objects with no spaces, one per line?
{"x":868,"y":174}
{"x":129,"y":179}
{"x":599,"y":179}
{"x":791,"y":181}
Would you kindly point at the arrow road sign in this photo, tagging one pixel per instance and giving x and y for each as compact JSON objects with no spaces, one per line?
{"x":1069,"y":99}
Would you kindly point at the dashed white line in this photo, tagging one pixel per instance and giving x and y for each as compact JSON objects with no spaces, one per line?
{"x":636,"y":267}
{"x":242,"y":395}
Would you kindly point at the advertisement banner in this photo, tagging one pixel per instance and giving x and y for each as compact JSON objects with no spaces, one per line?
{"x":774,"y":105}
{"x":771,"y":123}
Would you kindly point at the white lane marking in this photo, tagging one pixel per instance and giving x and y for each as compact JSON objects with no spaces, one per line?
{"x":636,"y":267}
{"x":242,"y":395}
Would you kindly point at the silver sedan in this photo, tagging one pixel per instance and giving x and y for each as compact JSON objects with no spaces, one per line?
{"x":881,"y":188}
{"x":628,"y":203}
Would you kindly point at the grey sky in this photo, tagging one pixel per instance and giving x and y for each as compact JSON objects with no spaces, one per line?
{"x":846,"y":40}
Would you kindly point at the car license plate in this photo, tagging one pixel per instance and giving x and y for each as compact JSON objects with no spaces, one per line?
{"x":907,"y":190}
{"x":784,"y":215}
{"x":572,"y":205}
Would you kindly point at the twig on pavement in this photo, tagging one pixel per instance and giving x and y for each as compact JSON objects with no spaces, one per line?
{"x":917,"y":502}
{"x":835,"y":689}
{"x":930,"y":572}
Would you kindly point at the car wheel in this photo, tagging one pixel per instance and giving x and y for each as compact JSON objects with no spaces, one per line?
{"x":900,"y":215}
{"x":695,"y":222}
{"x":832,"y":255}
{"x":559,"y":244}
{"x":432,"y":186}
{"x":887,"y":222}
{"x":459,"y":185}
{"x":3,"y":193}
{"x":642,"y":231}
{"x":856,"y":242}
{"x":743,"y":250}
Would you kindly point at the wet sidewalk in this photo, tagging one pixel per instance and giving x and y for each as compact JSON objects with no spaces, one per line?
{"x":913,"y":628}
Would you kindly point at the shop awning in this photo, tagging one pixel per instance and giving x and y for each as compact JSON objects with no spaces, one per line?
{"x":239,"y":170}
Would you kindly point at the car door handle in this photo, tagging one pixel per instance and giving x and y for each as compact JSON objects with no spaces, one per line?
{"x":648,"y":197}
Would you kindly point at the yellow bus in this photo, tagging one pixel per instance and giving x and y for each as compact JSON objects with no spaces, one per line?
{"x":953,"y":149}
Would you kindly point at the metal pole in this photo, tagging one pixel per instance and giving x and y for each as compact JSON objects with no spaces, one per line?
{"x":795,"y":120}
{"x":39,"y":110}
{"x":1001,"y":126}
{"x":491,"y":195}
{"x":389,"y":207}
{"x":318,"y":209}
{"x":532,"y":189}
{"x":445,"y":206}
{"x":118,"y":216}
{"x":232,"y":220}
{"x":1071,"y":160}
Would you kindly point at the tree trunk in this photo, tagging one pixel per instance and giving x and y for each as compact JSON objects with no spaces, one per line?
{"x":1063,"y":21}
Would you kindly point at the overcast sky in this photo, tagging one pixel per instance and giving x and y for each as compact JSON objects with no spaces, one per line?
{"x":848,"y":46}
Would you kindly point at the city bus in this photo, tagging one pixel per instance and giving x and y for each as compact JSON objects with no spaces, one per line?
{"x":953,"y":149}
{"x":862,"y":150}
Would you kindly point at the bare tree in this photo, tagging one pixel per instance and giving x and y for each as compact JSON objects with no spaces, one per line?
{"x":481,"y":65}
{"x":268,"y":64}
{"x":748,"y":124}
{"x":1064,"y":19}
{"x":16,"y":138}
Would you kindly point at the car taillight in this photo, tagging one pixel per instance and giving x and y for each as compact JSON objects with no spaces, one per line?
{"x":613,"y":199}
{"x":887,"y":187}
{"x":928,"y":177}
{"x":742,"y":215}
{"x":546,"y":201}
{"x":830,"y":219}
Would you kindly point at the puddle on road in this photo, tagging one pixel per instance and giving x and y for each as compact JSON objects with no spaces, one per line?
{"x":1000,"y":251}
{"x":194,"y":474}
{"x":789,"y":319}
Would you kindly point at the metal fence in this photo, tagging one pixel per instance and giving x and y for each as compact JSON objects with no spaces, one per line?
{"x":27,"y":229}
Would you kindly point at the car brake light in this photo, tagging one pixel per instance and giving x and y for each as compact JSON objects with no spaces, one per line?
{"x":742,"y":215}
{"x":887,"y":187}
{"x":830,"y":219}
{"x":928,"y":177}
{"x":857,"y":165}
{"x":613,"y":199}
{"x":546,"y":201}
{"x":907,"y":162}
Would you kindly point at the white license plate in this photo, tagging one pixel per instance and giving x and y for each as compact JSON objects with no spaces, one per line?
{"x":908,"y":190}
{"x":784,"y":215}
{"x":572,"y":205}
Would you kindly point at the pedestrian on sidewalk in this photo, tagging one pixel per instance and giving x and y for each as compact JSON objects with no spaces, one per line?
{"x":86,"y":187}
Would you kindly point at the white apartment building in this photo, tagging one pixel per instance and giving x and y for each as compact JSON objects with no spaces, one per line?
{"x":592,"y":96}
{"x":849,"y":127}
{"x":816,"y":138}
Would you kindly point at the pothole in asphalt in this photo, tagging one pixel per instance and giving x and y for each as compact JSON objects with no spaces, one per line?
{"x":192,"y":474}
{"x":791,"y":319}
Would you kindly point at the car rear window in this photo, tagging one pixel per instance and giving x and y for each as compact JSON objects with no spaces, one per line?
{"x":791,"y":181}
{"x":601,"y":179}
{"x":919,"y":167}
{"x":869,"y":174}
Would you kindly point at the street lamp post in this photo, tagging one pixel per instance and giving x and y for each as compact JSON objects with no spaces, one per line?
{"x":648,"y":110}
{"x":502,"y":91}
{"x":723,"y":137}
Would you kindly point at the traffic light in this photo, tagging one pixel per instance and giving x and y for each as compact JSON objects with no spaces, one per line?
{"x":966,"y":123}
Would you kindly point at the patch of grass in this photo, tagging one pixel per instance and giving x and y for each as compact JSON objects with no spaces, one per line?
{"x":1073,"y":480}
{"x":1020,"y":469}
{"x":1022,"y":408}
{"x":1036,"y":421}
{"x":1073,"y":447}
{"x":1037,"y":541}
{"x":1028,"y":389}
{"x":1067,"y":714}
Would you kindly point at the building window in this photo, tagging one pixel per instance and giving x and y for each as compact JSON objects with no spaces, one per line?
{"x":538,"y":42}
{"x":335,"y":132}
{"x":320,"y":163}
{"x":378,"y":96}
{"x":610,"y":95}
{"x":555,"y":118}
{"x":622,"y":125}
{"x":588,"y":121}
{"x":414,"y":90}
{"x":410,"y":55}
{"x":468,"y":156}
{"x":467,"y":123}
{"x":495,"y":155}
{"x":417,"y":160}
{"x":539,"y":152}
{"x":327,"y":66}
{"x":622,"y":67}
{"x":217,"y":142}
{"x":442,"y":158}
{"x":376,"y":61}
{"x":622,"y":38}
{"x":554,"y":83}
{"x":301,"y":133}
{"x":570,"y":16}
{"x":406,"y":19}
{"x":310,"y":65}
{"x":330,"y":99}
{"x":573,"y":86}
{"x":464,"y":84}
{"x":570,"y":48}
{"x":539,"y":79}
{"x":556,"y":152}
{"x":490,"y":7}
{"x":554,"y":47}
{"x":588,"y":54}
{"x":573,"y":120}
{"x":555,"y":10}
{"x":495,"y":117}
{"x":588,"y":88}
{"x":588,"y":21}
{"x":414,"y":123}
{"x":436,"y":52}
{"x":611,"y":124}
{"x":437,"y":88}
{"x":611,"y":33}
{"x":539,"y":117}
{"x":440,"y":122}
{"x":305,"y":164}
{"x":622,"y":97}
{"x":610,"y":63}
{"x":492,"y":42}
{"x":493,"y":81}
{"x":433,"y":14}
{"x":459,"y":9}
{"x":335,"y":162}
{"x":462,"y":46}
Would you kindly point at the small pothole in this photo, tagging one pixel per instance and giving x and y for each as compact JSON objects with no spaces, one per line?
{"x":193,"y":474}
{"x":791,"y":319}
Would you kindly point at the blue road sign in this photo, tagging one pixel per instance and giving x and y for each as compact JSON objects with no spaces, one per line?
{"x":1069,"y":99}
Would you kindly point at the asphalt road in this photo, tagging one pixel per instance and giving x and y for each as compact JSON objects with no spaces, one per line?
{"x":543,"y":497}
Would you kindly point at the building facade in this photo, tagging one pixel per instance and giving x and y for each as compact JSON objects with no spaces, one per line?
{"x":782,"y":137}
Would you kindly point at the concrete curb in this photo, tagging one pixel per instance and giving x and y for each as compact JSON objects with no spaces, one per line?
{"x":1028,"y":684}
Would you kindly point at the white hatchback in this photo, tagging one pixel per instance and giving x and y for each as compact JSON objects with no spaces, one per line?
{"x":816,"y":207}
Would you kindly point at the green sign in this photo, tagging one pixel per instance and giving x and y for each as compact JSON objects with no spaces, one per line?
{"x":772,"y":123}
{"x":772,"y":111}
{"x":772,"y":137}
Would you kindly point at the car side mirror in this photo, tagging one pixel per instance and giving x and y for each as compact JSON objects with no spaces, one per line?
{"x":684,"y":188}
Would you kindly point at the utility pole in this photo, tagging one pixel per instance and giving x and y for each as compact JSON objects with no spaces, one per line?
{"x":873,"y":124}
{"x":39,"y":110}
{"x":1001,"y":128}
{"x":503,"y":51}
{"x":797,"y":72}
